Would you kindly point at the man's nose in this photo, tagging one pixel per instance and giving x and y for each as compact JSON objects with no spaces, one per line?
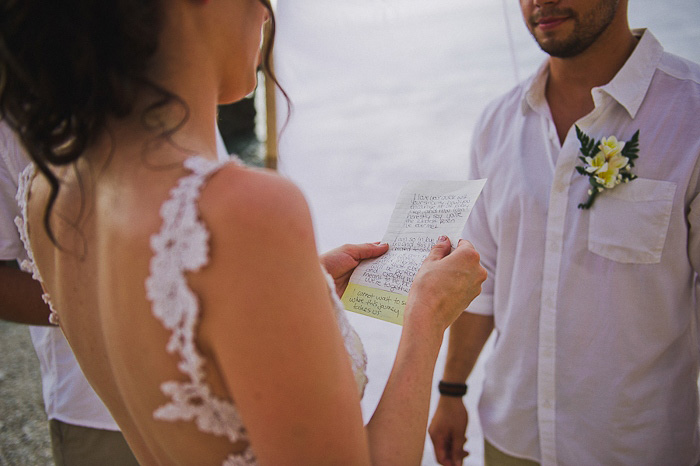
{"x":544,"y":2}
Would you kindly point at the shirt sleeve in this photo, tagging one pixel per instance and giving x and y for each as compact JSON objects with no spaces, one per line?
{"x":477,"y":230}
{"x":694,"y":243}
{"x":12,"y":161}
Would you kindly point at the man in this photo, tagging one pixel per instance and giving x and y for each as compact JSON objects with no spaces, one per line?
{"x":82,"y":430}
{"x":595,"y":308}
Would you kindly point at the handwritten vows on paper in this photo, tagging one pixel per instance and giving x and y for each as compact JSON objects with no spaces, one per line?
{"x":424,"y":211}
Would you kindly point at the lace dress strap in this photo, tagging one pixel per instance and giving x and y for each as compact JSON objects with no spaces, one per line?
{"x":182,"y":246}
{"x":28,"y":265}
{"x":353,"y":344}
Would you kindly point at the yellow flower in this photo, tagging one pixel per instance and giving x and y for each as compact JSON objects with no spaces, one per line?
{"x":608,"y":178}
{"x":618,"y":161}
{"x":605,"y":166}
{"x":611,"y":147}
{"x":597,"y":163}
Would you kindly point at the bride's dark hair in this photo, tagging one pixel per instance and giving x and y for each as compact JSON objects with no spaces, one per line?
{"x":67,"y":66}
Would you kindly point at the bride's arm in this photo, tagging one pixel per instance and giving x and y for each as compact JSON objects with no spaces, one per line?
{"x":268,"y":322}
{"x":408,"y":388}
{"x":443,"y":287}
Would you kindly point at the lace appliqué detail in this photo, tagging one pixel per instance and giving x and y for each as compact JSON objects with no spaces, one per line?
{"x":353,"y":344}
{"x":182,"y":246}
{"x":28,"y":264}
{"x":245,"y":459}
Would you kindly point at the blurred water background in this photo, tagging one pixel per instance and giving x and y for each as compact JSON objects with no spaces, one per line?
{"x":386,"y":91}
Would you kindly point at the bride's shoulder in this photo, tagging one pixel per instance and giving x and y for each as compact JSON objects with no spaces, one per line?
{"x":253,"y":202}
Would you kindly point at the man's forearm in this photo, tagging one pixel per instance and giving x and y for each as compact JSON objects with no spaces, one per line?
{"x":20,"y":297}
{"x":468,"y":334}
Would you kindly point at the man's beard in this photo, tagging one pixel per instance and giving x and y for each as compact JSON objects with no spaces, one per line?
{"x":586,"y":30}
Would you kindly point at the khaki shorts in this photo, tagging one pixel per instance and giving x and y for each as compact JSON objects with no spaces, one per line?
{"x":495,"y":457}
{"x":77,"y":446}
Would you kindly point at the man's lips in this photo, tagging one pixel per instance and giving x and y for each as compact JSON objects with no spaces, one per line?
{"x":550,"y":22}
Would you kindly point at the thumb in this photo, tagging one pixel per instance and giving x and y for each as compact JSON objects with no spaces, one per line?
{"x":367,"y":250}
{"x":458,"y":452}
{"x":440,"y":249}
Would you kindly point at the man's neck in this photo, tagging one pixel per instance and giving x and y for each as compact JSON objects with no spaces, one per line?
{"x":571,"y":80}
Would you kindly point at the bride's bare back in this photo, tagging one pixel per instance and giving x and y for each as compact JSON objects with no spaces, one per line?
{"x":97,"y":286}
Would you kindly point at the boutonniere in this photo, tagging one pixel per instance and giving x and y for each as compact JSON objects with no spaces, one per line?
{"x":606,"y":163}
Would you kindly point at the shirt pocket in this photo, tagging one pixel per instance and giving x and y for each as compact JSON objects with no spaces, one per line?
{"x":628,"y":224}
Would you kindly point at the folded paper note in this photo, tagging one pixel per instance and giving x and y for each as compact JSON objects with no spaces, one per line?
{"x":424,"y":211}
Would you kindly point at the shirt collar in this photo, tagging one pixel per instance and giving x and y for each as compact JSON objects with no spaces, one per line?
{"x":534,"y":97}
{"x":628,"y":87}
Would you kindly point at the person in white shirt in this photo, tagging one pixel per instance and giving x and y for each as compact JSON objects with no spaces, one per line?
{"x":81,"y":428}
{"x":595,"y":308}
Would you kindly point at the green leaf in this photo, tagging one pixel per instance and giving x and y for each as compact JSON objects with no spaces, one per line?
{"x":587,"y":145}
{"x":631,"y":147}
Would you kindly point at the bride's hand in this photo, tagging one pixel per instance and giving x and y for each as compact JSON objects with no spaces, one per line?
{"x":446,"y":283}
{"x":341,"y":261}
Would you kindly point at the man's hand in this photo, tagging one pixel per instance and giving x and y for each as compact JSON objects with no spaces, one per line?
{"x":448,"y":431}
{"x":340,"y":262}
{"x":20,"y":297}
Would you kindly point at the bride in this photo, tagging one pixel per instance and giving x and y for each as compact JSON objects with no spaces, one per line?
{"x":189,"y":289}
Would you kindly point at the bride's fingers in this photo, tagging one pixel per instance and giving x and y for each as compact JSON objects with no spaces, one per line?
{"x":440,"y":249}
{"x":465,"y":242}
{"x":366,"y":250}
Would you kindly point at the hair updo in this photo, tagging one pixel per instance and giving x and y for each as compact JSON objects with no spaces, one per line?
{"x":66,"y":66}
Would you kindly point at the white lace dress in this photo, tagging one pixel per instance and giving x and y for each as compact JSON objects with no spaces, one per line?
{"x":182,"y":246}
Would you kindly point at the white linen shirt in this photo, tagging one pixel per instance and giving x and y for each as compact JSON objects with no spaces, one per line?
{"x":68,"y":397}
{"x":596,"y":354}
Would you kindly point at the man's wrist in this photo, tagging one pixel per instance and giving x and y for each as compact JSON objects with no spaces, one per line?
{"x":452,"y":389}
